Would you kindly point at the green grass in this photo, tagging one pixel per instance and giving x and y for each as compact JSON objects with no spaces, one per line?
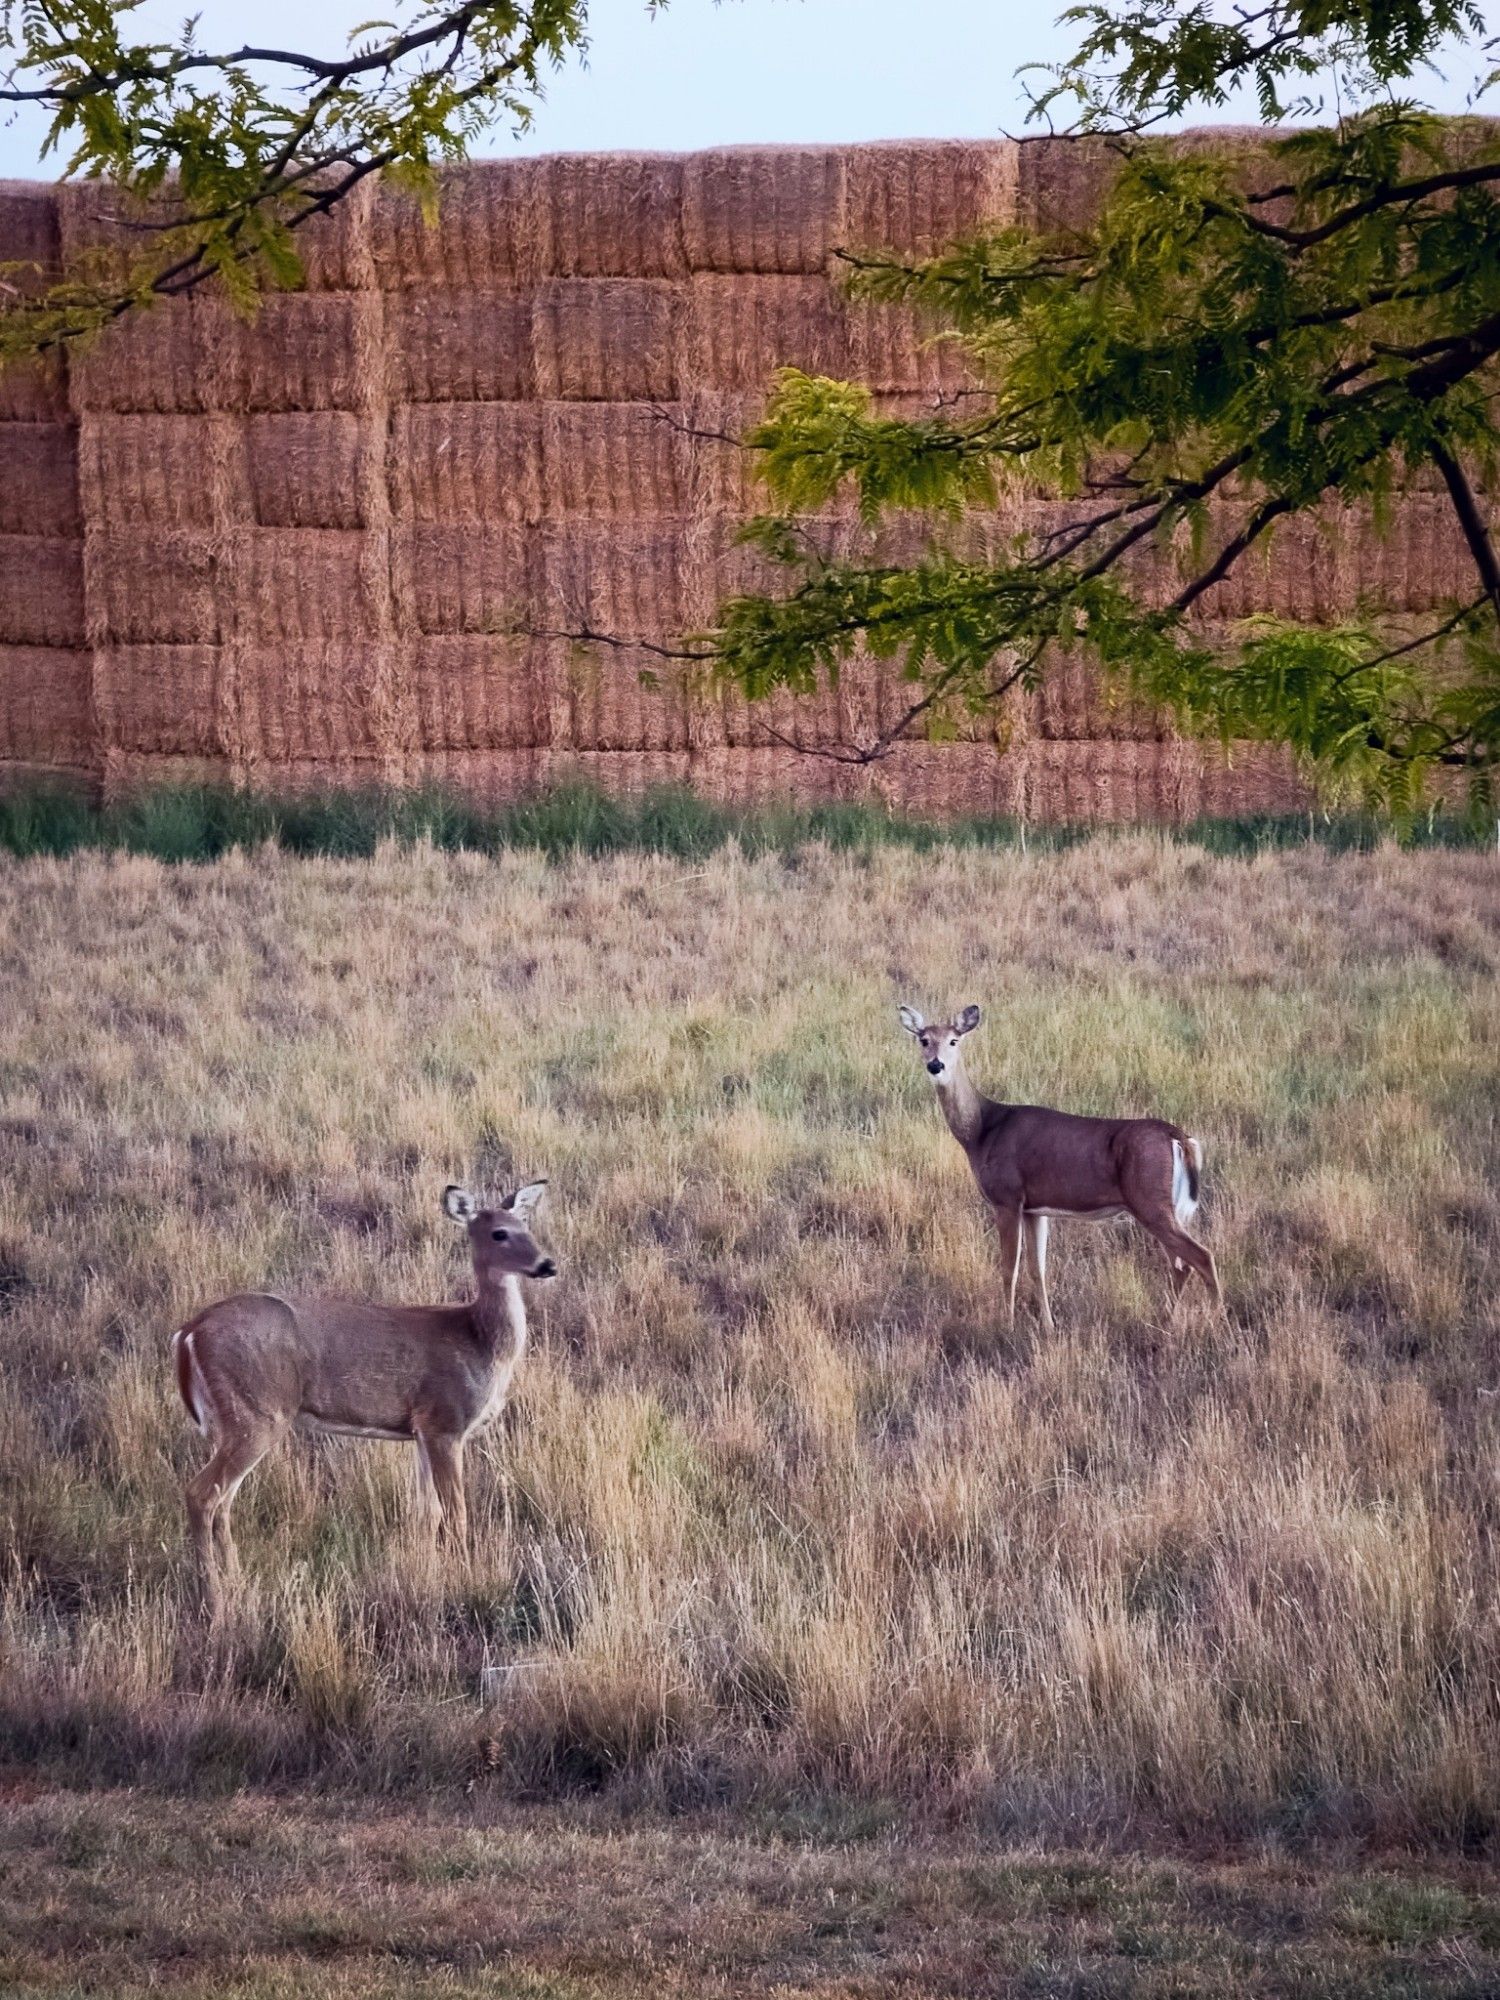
{"x":201,"y":823}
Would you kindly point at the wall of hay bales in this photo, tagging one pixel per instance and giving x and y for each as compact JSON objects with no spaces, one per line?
{"x":302,"y":550}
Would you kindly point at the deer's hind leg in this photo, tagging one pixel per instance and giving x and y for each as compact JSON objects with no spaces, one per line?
{"x":1147,"y":1187}
{"x":1185,"y":1255}
{"x":210,"y":1495}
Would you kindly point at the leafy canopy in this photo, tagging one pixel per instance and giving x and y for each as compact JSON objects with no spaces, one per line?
{"x":1245,"y":334}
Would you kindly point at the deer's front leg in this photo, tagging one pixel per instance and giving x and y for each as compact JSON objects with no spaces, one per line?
{"x":1008,"y":1222}
{"x":444,"y":1458}
{"x":1037,"y":1229}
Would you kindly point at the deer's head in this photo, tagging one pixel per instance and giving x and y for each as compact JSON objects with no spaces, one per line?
{"x":500,"y":1239}
{"x":939,"y":1040}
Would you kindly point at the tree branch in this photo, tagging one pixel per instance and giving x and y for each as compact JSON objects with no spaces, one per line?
{"x":1470,"y":519}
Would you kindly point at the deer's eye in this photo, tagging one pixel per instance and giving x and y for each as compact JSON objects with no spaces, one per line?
{"x":501,"y":1235}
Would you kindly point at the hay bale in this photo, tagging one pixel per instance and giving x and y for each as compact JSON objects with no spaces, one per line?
{"x":30,"y":235}
{"x":832,"y":717}
{"x":608,"y":339}
{"x":629,"y":581}
{"x":35,"y":392}
{"x":624,"y":773}
{"x":305,"y":352}
{"x":164,"y":700}
{"x":460,"y":347}
{"x":464,"y":577}
{"x":610,"y":215}
{"x":763,"y":208}
{"x":1105,"y":783}
{"x":155,"y":585}
{"x":41,"y":590}
{"x":1061,"y":184}
{"x":896,"y":349}
{"x":138,"y":470}
{"x":917,"y":197}
{"x":30,"y":249}
{"x":1322,"y":567}
{"x":1250,"y":779}
{"x":467,"y":462}
{"x":775,"y":776}
{"x":105,"y":233}
{"x":491,"y":228}
{"x":475,"y":691}
{"x":126,"y":773}
{"x":940,"y":780}
{"x":38,"y":479}
{"x":305,"y":469}
{"x":337,"y":247}
{"x":781,"y":721}
{"x":605,"y":460}
{"x":166,"y":357}
{"x":326,"y":584}
{"x":1073,"y":704}
{"x":301,"y":351}
{"x":1420,"y":563}
{"x":319,"y":703}
{"x":743,"y":329}
{"x":44,"y":706}
{"x":489,"y":777}
{"x":722,"y":472}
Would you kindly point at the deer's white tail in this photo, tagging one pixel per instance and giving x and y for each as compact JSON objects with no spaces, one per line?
{"x":187,"y":1369}
{"x":1187,"y":1165}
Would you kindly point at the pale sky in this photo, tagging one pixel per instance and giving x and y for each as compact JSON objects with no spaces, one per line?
{"x":701,"y":74}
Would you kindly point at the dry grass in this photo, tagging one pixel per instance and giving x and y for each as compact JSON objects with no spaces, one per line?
{"x":289,"y":1900}
{"x":781,"y":1510}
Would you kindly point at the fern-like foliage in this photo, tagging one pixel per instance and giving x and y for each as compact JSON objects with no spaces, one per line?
{"x":1302,"y":324}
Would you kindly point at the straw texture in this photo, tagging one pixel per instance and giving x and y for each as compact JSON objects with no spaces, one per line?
{"x":360,"y":534}
{"x":44,"y":716}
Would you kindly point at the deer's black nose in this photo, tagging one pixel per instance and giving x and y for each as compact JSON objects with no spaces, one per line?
{"x":546,"y":1269}
{"x":934,"y":1069}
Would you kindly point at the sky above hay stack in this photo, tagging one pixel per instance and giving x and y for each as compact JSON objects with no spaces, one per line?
{"x":739,"y":73}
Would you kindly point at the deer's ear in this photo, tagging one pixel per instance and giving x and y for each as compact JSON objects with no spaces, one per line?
{"x":459,"y":1204}
{"x":967,"y":1021}
{"x":523,"y":1203}
{"x":912,"y":1021}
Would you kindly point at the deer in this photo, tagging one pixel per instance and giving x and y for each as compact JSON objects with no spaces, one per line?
{"x":253,"y":1367}
{"x":1035,"y":1166}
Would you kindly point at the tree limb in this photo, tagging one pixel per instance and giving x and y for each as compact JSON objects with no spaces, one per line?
{"x":1470,"y":519}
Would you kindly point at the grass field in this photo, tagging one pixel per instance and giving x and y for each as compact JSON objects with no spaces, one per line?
{"x":783,"y":1517}
{"x":287,"y":1899}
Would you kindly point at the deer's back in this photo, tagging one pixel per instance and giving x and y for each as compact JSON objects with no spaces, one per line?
{"x":1028,"y":1156}
{"x":342,"y":1363}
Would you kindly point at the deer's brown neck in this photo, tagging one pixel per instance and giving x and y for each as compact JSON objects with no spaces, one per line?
{"x":963,"y":1107}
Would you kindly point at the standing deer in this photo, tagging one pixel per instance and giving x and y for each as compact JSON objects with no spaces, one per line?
{"x":255,"y":1366}
{"x":1033,"y":1165}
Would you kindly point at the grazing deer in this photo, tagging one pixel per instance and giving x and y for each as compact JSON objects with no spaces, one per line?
{"x":1033,"y":1165}
{"x":254,"y":1366}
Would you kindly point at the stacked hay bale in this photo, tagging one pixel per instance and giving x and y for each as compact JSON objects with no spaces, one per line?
{"x":348,"y":540}
{"x":45,"y":662}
